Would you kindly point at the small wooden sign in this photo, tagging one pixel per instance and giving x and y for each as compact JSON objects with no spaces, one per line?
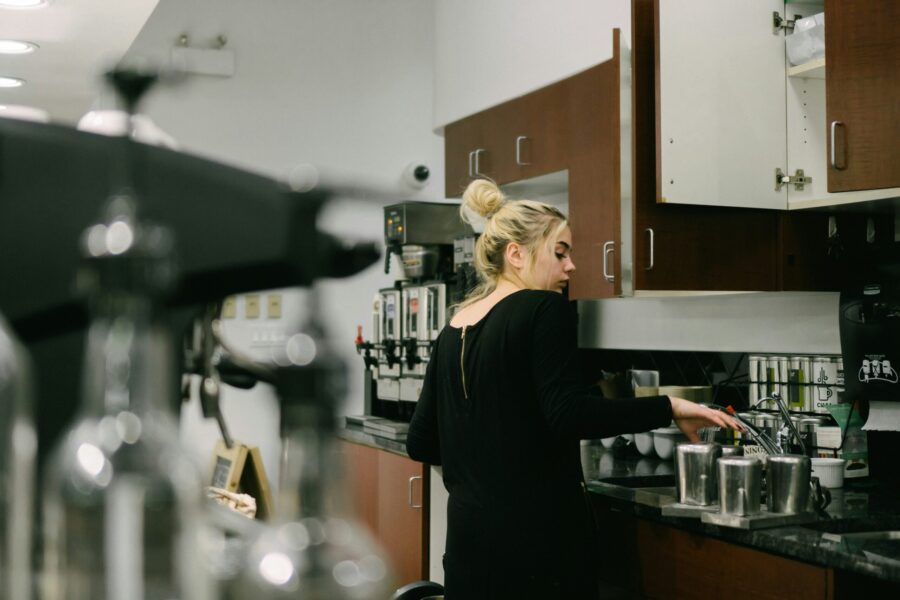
{"x":240,"y":469}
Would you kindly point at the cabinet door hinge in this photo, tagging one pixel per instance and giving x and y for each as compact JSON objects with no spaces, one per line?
{"x":779,"y":23}
{"x":798,"y":180}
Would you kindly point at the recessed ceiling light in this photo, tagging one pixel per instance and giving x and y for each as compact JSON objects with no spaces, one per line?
{"x":23,"y":3}
{"x":16,"y":47}
{"x":11,"y":82}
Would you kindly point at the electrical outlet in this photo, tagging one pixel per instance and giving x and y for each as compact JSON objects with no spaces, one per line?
{"x":229,"y":308}
{"x":273,"y":308}
{"x":251,"y":306}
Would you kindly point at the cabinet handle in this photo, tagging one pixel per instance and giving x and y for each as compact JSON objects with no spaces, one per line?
{"x":519,"y":141}
{"x":608,"y":248}
{"x":477,"y":153}
{"x":471,"y":154}
{"x":650,"y":231}
{"x":834,"y":164}
{"x":410,"y":497}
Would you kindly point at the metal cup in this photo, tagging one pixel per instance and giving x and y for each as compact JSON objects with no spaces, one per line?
{"x":732,"y":451}
{"x":787,"y":483}
{"x":696,"y":474}
{"x":739,"y":480}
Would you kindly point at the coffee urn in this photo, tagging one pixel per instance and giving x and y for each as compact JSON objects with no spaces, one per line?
{"x":408,"y":316}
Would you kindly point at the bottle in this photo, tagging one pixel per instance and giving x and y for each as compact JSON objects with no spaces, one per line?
{"x":314,"y":548}
{"x":18,"y":449}
{"x":122,"y":503}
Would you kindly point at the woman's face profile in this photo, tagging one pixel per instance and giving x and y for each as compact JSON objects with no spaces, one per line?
{"x":553,"y":263}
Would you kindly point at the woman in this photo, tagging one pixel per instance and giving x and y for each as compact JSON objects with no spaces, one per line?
{"x":503,"y":412}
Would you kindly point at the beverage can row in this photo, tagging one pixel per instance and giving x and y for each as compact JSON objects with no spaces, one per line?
{"x":806,"y":383}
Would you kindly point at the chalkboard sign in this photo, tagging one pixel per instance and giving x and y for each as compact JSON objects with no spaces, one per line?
{"x":240,"y":469}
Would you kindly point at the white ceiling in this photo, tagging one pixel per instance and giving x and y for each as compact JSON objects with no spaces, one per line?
{"x":79,"y":40}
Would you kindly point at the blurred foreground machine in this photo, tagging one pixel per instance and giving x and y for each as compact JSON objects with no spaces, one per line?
{"x":237,"y":232}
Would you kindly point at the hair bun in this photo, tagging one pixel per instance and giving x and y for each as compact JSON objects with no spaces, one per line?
{"x":483,"y":197}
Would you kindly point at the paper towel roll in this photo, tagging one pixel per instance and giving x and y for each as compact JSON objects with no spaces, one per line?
{"x":883,"y":416}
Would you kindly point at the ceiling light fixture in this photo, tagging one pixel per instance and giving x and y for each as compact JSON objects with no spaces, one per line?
{"x":16,"y":47}
{"x":23,"y":3}
{"x":11,"y":82}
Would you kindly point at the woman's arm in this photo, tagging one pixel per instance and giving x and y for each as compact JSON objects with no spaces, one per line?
{"x":568,"y":407}
{"x":690,"y":417}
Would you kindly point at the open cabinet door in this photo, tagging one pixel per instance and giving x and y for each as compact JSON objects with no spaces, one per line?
{"x":682,"y":247}
{"x":720,"y":80}
{"x":593,"y":126}
{"x":862,"y":62}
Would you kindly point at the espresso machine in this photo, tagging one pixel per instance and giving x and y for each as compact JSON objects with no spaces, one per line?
{"x":237,"y":232}
{"x":408,"y":316}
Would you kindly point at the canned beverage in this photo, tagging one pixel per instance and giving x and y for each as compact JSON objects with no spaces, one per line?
{"x":770,"y":424}
{"x":826,"y":382}
{"x":777,"y":377}
{"x":825,"y":370}
{"x":798,"y":389}
{"x":754,"y":366}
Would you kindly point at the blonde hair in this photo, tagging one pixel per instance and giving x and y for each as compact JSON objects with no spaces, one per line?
{"x":525,"y":222}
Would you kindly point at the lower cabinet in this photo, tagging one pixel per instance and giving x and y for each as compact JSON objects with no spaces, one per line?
{"x":391,"y":497}
{"x":657,"y":561}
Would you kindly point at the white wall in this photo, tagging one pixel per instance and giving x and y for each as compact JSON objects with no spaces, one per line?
{"x":490,"y":51}
{"x":345,"y":85}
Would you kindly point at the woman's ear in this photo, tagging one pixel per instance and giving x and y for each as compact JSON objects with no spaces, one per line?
{"x":515,"y":255}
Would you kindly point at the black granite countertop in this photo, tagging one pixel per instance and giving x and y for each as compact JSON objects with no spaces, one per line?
{"x":839,"y":540}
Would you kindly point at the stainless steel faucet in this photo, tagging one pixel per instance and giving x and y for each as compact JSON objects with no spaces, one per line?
{"x":781,"y":443}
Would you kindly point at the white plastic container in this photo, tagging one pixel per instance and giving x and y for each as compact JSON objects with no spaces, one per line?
{"x":830,"y":471}
{"x":807,"y":42}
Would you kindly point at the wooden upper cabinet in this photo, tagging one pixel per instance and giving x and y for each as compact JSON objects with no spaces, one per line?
{"x":720,"y":89}
{"x":461,"y":140}
{"x":690,"y":248}
{"x":519,"y":139}
{"x":535,"y":136}
{"x":862,"y":63}
{"x":595,"y":186}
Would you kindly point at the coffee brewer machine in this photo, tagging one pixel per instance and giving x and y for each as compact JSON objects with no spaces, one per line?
{"x":407,"y":317}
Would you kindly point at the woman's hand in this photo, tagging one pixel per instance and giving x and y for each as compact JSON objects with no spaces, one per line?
{"x":690,"y":417}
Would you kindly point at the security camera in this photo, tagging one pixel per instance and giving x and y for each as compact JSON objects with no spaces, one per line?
{"x":416,"y":175}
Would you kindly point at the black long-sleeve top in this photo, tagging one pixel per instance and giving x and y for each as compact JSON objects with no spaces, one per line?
{"x":502,"y":410}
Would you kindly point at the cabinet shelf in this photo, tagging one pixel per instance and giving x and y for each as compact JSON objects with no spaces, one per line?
{"x":863,"y":200}
{"x":814,"y":69}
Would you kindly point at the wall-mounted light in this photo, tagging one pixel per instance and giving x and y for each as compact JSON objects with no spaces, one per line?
{"x":11,"y":82}
{"x":16,"y":47}
{"x":25,"y":113}
{"x":23,"y":3}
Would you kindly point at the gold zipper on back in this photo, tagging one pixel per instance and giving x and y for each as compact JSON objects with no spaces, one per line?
{"x":462,"y":364}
